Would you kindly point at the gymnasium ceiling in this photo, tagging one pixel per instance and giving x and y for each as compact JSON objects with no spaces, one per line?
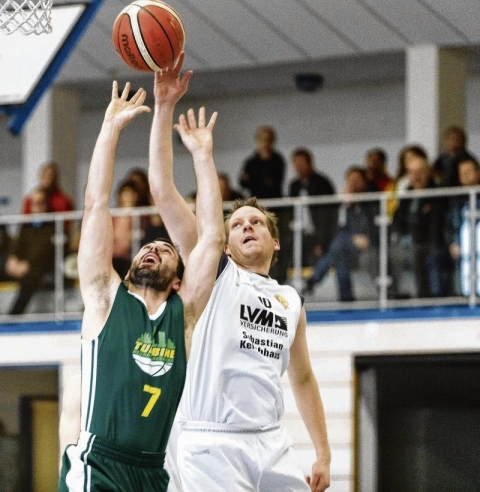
{"x":255,"y":46}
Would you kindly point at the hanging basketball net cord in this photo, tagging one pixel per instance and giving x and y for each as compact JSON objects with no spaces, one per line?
{"x":27,"y":16}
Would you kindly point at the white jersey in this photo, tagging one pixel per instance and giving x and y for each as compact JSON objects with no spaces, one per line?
{"x":240,"y":350}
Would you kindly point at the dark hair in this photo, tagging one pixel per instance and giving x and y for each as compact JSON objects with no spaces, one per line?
{"x":416,"y":150}
{"x":356,"y":169}
{"x":459,"y":131}
{"x":303,"y":152}
{"x":380,"y":152}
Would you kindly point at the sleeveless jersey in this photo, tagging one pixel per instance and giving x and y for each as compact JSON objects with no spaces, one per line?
{"x":133,"y":373}
{"x":240,"y":350}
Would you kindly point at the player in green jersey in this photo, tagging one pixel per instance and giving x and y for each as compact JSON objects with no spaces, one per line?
{"x":136,"y":333}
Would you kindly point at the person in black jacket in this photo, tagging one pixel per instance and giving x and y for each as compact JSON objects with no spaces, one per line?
{"x":319,"y":221}
{"x":263,"y":172}
{"x":423,"y":219}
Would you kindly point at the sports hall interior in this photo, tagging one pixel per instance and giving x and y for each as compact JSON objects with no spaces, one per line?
{"x":399,"y":378}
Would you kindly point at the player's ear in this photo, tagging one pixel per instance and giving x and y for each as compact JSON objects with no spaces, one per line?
{"x":127,"y":276}
{"x":226,"y":250}
{"x":276,"y":245}
{"x":176,"y":284}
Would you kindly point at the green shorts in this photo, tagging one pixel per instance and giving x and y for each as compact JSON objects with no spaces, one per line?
{"x":98,"y":465}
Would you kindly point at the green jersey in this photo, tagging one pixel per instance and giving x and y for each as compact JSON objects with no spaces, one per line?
{"x":134,"y":372}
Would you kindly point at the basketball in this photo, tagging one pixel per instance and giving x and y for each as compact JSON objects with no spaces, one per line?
{"x":148,"y":35}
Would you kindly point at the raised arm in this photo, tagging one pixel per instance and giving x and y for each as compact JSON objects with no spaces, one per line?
{"x":202,"y":263}
{"x":98,"y":279}
{"x":179,"y":219}
{"x":309,"y":403}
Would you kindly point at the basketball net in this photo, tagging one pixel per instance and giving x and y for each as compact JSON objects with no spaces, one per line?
{"x":27,"y":16}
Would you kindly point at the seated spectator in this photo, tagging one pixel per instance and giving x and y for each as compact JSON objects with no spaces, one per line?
{"x":376,"y":168}
{"x":454,"y":151}
{"x":459,"y":228}
{"x":32,"y":253}
{"x":356,"y":233}
{"x":127,"y":196}
{"x":228,"y":193}
{"x":263,"y":172}
{"x":423,"y":219}
{"x":319,"y":221}
{"x":401,"y":181}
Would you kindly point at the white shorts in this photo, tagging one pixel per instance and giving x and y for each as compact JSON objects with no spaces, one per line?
{"x":218,"y":458}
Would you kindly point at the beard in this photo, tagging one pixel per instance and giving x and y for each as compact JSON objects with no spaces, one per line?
{"x":157,"y":279}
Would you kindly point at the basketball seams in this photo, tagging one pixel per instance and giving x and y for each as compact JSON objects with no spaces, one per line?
{"x":139,"y":31}
{"x":137,"y":34}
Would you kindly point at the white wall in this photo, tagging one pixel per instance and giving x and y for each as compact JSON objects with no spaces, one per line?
{"x":332,"y":346}
{"x":338,"y":125}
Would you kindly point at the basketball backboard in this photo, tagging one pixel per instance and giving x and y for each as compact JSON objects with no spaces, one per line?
{"x":30,"y":63}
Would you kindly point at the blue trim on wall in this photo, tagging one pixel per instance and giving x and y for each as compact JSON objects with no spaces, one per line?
{"x":40,"y":327}
{"x":392,"y":314}
{"x":339,"y":316}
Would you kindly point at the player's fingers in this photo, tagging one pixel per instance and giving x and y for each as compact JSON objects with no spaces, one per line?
{"x":114,"y":89}
{"x":213,"y":120}
{"x":186,"y":78}
{"x":201,"y":117}
{"x":179,"y":63}
{"x":126,"y":91}
{"x":192,"y":122}
{"x":138,"y":97}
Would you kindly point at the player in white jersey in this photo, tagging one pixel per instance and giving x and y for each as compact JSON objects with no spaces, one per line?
{"x":228,"y":436}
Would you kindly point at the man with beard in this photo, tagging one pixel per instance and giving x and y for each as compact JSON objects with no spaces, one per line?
{"x":136,"y":334}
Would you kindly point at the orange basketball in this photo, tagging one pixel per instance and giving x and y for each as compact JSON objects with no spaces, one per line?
{"x":148,"y":35}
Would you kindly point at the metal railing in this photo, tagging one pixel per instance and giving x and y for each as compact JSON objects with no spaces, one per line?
{"x":292,"y":211}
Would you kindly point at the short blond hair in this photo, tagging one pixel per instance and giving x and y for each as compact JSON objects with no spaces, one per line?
{"x":252,"y":201}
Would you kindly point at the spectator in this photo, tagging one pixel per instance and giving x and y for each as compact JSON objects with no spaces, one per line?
{"x":459,"y":227}
{"x":57,"y":199}
{"x":32,"y":253}
{"x":319,"y":220}
{"x":376,"y":167}
{"x":127,"y":196}
{"x":454,"y":151}
{"x":139,"y":177}
{"x":356,"y":233}
{"x":263,"y":173}
{"x":401,"y":181}
{"x":423,"y":220}
{"x":4,"y":248}
{"x":228,"y":193}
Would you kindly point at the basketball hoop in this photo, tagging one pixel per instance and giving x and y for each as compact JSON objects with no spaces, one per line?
{"x":28,"y":16}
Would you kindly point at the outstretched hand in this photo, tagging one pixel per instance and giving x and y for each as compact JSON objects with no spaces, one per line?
{"x":122,"y":110}
{"x":169,"y":86}
{"x":197,"y":137}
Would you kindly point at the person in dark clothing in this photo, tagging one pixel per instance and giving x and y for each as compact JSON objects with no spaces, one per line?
{"x":263,"y":172}
{"x":229,"y":194}
{"x":32,"y":253}
{"x":458,"y":229}
{"x":319,"y":221}
{"x":455,"y":151}
{"x":423,"y":218}
{"x":378,"y":178}
{"x":356,"y":232}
